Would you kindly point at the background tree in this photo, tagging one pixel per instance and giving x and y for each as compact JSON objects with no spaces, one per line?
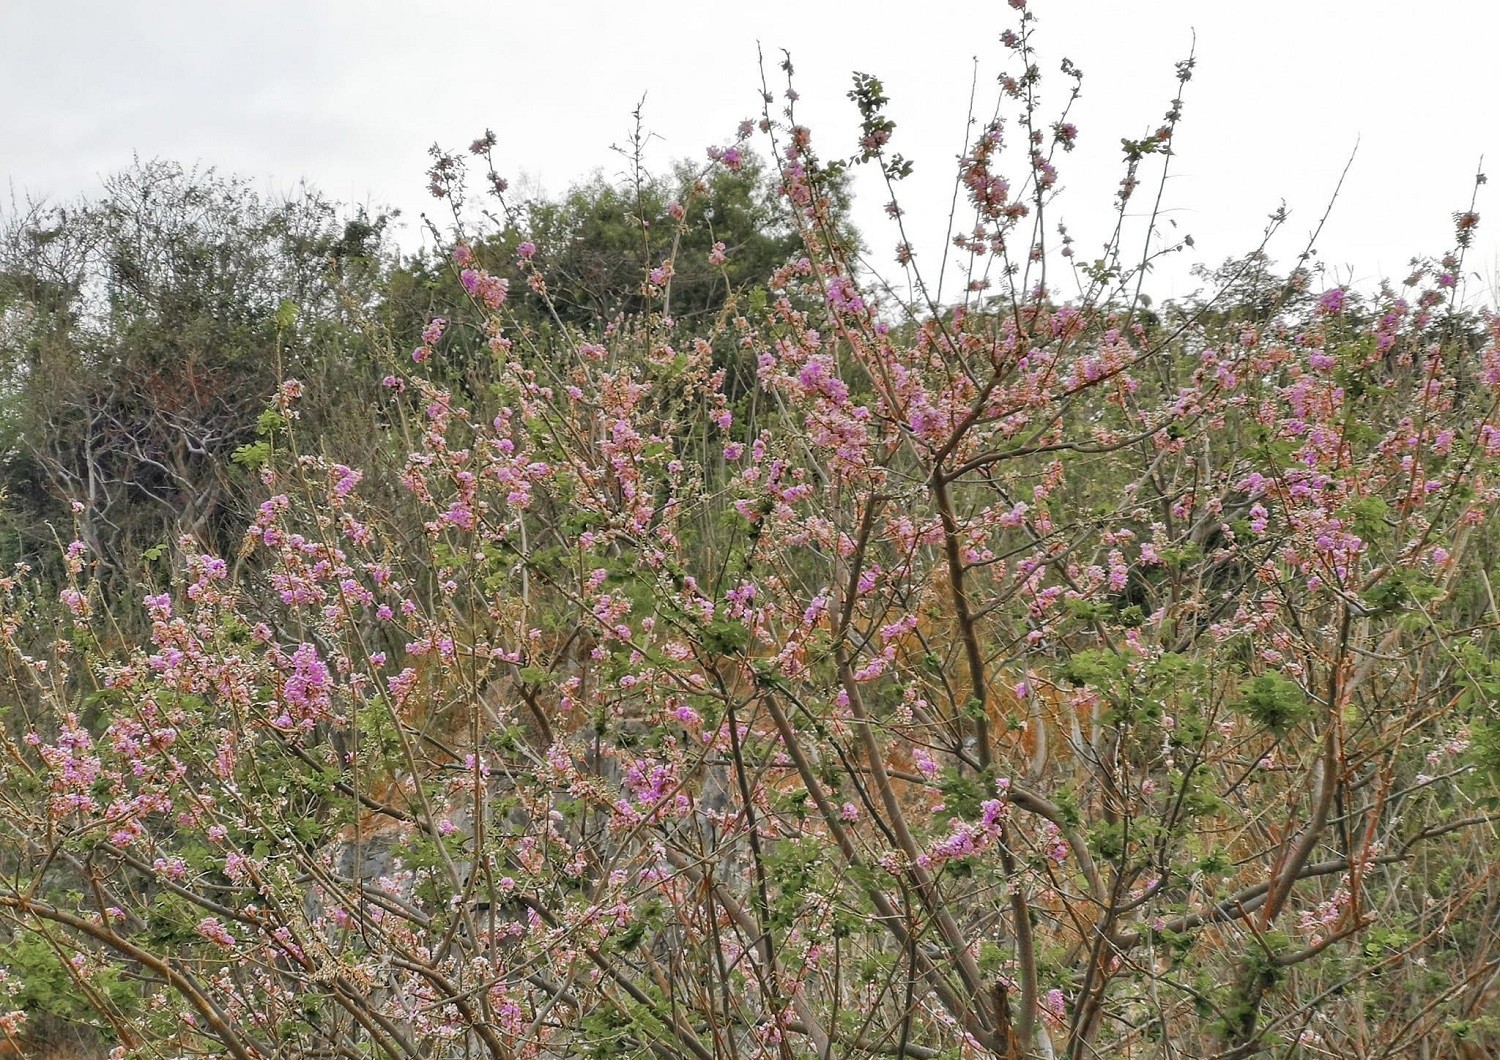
{"x":145,"y":332}
{"x":591,"y":253}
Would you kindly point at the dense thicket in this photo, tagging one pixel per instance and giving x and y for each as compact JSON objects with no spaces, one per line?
{"x":145,"y":331}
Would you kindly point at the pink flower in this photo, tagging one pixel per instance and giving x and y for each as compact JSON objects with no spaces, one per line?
{"x":306,"y":689}
{"x":347,"y":479}
{"x":210,"y":928}
{"x":1054,"y":1003}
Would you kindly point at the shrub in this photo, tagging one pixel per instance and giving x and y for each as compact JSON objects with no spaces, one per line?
{"x":1018,"y":677}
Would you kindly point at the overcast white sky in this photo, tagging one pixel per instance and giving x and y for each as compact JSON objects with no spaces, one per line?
{"x":350,"y":93}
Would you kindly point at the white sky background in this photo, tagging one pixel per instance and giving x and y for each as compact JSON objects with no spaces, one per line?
{"x":350,"y":93}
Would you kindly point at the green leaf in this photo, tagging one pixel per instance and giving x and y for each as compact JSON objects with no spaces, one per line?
{"x":1273,"y":702}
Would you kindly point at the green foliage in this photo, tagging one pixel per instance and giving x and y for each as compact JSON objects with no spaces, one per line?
{"x":48,"y":987}
{"x":1273,"y":702}
{"x":1398,"y":590}
{"x":1257,"y":975}
{"x":1484,"y":752}
{"x":964,"y":793}
{"x":1095,"y":667}
{"x":1369,"y":517}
